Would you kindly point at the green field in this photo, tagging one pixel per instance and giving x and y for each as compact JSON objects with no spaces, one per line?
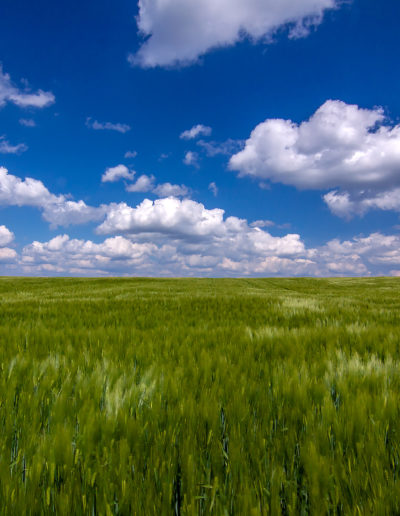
{"x":225,"y":397}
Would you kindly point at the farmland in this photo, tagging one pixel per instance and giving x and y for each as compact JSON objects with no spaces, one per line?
{"x":197,"y":397}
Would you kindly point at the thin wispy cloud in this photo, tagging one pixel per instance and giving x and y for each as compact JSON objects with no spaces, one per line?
{"x":130,"y":154}
{"x":23,"y":98}
{"x":191,"y":159}
{"x":7,"y":148}
{"x":213,"y":188}
{"x":226,"y":148}
{"x":107,"y":126}
{"x":27,"y":122}
{"x":195,"y":132}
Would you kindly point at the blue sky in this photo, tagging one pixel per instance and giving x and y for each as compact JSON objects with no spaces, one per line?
{"x":209,"y":138}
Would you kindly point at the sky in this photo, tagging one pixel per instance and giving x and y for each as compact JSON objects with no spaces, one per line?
{"x":209,"y":138}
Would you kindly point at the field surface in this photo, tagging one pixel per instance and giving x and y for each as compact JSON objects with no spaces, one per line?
{"x":196,"y":397}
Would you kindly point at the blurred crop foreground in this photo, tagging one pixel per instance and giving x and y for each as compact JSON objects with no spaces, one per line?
{"x":197,"y":397}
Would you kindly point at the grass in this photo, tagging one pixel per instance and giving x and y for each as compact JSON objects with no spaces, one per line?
{"x":225,"y":397}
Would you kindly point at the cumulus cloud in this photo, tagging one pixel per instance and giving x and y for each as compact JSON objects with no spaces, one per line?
{"x":144,"y":183}
{"x":7,"y":148}
{"x":9,"y":92}
{"x":169,"y":237}
{"x":341,"y":146}
{"x":189,"y":221}
{"x":62,"y":254}
{"x":375,"y":244}
{"x":191,"y":158}
{"x":108,"y":126}
{"x":64,"y":212}
{"x":6,"y":236}
{"x":358,"y":255}
{"x":58,"y":210}
{"x":113,"y":174}
{"x":178,"y":31}
{"x":18,"y":192}
{"x":170,"y":190}
{"x":231,"y":250}
{"x":195,"y":131}
{"x":204,"y":240}
{"x":183,"y":218}
{"x":7,"y":255}
{"x":346,"y":205}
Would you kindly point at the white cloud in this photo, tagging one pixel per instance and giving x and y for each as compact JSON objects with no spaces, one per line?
{"x":181,"y":237}
{"x":163,"y":215}
{"x":113,"y":174}
{"x":189,"y":221}
{"x":58,"y":210}
{"x":195,"y":131}
{"x":375,"y":243}
{"x":244,"y":252}
{"x":62,"y":254}
{"x":170,"y":190}
{"x":226,"y":148}
{"x":235,"y":247}
{"x":340,"y":146}
{"x":169,"y":237}
{"x":27,"y":122}
{"x":30,"y":192}
{"x":109,"y":126}
{"x":40,"y":99}
{"x":262,"y":224}
{"x":269,"y":224}
{"x":191,"y":158}
{"x":147,"y":183}
{"x":376,"y":251}
{"x":143,"y":183}
{"x":65,"y":213}
{"x":7,"y":148}
{"x":346,"y":205}
{"x":6,"y":236}
{"x":178,"y":31}
{"x":22,"y":98}
{"x":7,"y":255}
{"x":213,"y":188}
{"x":130,"y":154}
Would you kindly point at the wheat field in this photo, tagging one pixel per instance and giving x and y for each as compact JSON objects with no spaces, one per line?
{"x":199,"y":396}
